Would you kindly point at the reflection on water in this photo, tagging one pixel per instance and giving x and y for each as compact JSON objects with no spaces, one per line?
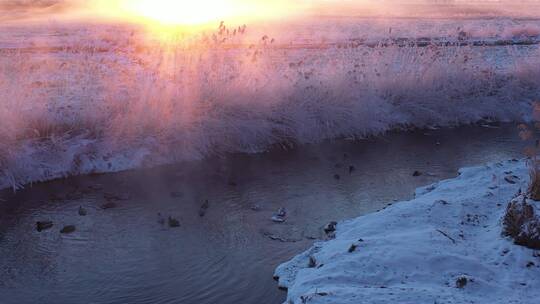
{"x":129,"y":254}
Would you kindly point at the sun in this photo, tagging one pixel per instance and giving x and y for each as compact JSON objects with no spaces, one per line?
{"x":182,"y":12}
{"x":194,"y":14}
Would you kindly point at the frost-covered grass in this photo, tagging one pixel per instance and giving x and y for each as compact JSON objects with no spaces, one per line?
{"x":115,"y":100}
{"x":444,"y":246}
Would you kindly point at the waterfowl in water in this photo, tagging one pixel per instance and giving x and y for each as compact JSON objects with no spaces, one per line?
{"x":68,"y":229}
{"x":204,"y":207}
{"x":280,"y":216}
{"x":43,"y":225}
{"x":173,"y":223}
{"x":82,"y":211}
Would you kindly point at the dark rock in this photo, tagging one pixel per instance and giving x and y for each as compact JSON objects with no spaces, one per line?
{"x":521,"y":223}
{"x":417,"y":173}
{"x":173,"y":223}
{"x":68,"y":229}
{"x":82,"y":211}
{"x":511,"y":179}
{"x":312,"y":262}
{"x":353,"y":248}
{"x":351,"y":169}
{"x":461,"y":282}
{"x":44,"y":225}
{"x":530,"y":264}
{"x":337,"y":177}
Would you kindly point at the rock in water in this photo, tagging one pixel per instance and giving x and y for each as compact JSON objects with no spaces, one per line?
{"x":351,"y":169}
{"x":44,"y":225}
{"x":68,"y":229}
{"x":82,"y":211}
{"x":173,"y":223}
{"x":417,"y":173}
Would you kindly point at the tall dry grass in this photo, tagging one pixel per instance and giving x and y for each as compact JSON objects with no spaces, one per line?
{"x":103,"y":105}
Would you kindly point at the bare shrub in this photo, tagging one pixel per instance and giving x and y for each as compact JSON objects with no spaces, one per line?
{"x":534,"y":185}
{"x":522,"y":223}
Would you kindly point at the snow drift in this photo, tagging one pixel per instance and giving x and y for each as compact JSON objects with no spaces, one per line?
{"x":444,"y":246}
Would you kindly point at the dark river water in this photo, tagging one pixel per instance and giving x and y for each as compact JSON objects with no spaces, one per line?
{"x":123,"y":250}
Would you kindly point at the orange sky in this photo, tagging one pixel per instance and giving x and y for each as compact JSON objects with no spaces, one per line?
{"x":192,"y":11}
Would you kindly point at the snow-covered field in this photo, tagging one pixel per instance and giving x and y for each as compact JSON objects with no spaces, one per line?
{"x":82,"y":98}
{"x":424,"y":250}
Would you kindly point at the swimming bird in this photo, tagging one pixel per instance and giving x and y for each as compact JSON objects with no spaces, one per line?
{"x":204,"y":208}
{"x":82,"y":211}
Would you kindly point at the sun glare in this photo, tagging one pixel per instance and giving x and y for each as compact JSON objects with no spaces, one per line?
{"x":182,"y":12}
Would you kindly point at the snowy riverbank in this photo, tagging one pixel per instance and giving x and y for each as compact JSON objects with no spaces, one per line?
{"x":417,"y":251}
{"x":104,"y":99}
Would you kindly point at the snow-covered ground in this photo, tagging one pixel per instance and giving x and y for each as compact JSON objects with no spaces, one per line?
{"x":417,"y":251}
{"x":89,"y":98}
